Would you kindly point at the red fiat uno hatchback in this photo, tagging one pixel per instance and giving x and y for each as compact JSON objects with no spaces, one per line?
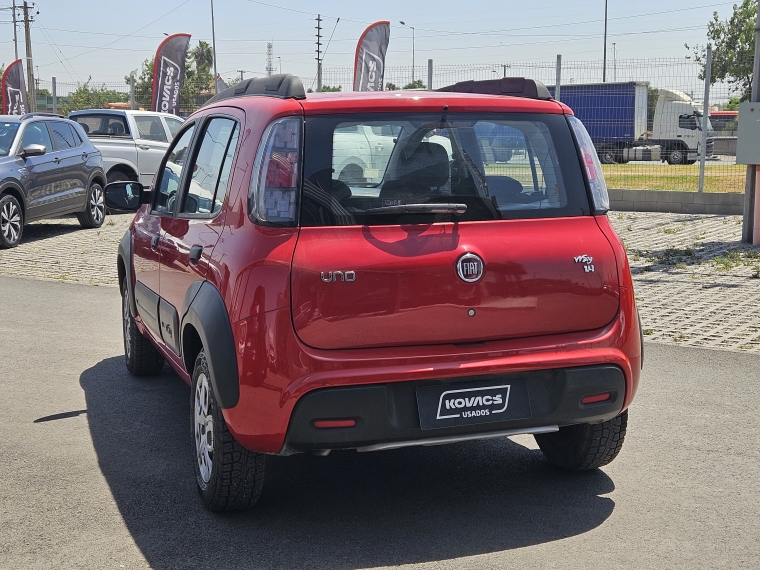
{"x":377,"y":270}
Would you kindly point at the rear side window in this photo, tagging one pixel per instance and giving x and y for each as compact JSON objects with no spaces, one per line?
{"x":103,"y":124}
{"x":369,"y":169}
{"x":63,"y":137}
{"x":150,"y":128}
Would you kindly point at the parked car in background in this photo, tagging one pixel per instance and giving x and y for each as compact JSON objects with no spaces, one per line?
{"x":452,"y":293}
{"x":48,"y":168}
{"x":132,"y":142}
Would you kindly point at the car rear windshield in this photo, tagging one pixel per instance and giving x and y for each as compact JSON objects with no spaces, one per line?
{"x":7,"y":135}
{"x":103,"y":125}
{"x":380,"y":169}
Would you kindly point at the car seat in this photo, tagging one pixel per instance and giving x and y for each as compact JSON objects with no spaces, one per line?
{"x":115,"y":128}
{"x":419,"y":171}
{"x":156,"y":131}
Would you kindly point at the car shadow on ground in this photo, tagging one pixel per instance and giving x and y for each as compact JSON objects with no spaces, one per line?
{"x":50,"y":229}
{"x":345,"y":510}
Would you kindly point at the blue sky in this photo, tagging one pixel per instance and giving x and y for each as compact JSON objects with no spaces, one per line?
{"x":74,"y":40}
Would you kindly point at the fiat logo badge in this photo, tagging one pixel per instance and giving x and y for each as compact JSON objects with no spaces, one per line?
{"x":470,"y":268}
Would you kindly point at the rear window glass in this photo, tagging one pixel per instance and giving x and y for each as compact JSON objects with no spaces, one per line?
{"x":368,"y":169}
{"x":103,"y":125}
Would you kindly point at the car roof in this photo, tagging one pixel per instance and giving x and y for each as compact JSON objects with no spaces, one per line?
{"x":424,"y":101}
{"x":121,"y":112}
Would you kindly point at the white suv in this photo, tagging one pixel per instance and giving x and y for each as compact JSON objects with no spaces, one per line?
{"x":132,"y":142}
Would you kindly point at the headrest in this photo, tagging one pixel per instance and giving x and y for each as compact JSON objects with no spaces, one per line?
{"x":426,"y":164}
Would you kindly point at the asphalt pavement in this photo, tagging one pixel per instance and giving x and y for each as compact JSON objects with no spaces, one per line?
{"x":97,"y":471}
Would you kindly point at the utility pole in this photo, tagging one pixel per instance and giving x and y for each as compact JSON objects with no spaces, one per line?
{"x":270,"y":67}
{"x":241,"y":71}
{"x":15,"y":38}
{"x":29,"y":61}
{"x":319,"y":53}
{"x":604,"y":68}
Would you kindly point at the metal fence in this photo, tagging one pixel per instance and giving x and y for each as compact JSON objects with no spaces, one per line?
{"x":638,"y":118}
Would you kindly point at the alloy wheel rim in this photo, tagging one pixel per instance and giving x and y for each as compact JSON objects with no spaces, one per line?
{"x":10,"y":221}
{"x":204,"y":428}
{"x":126,"y":316}
{"x":97,"y":207}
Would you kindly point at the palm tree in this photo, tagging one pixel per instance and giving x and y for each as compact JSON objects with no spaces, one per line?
{"x":203,"y":56}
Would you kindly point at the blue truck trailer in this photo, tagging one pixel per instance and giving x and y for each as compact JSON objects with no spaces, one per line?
{"x":615,"y":115}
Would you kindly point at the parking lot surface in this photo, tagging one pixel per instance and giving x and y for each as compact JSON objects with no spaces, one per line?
{"x":696,"y":283}
{"x":97,"y":472}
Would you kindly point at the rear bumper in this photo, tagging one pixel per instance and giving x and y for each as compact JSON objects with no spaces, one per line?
{"x":387,"y":415}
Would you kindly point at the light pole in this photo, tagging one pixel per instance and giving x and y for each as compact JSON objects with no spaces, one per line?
{"x":614,"y":62}
{"x":604,"y":68}
{"x":412,"y":28}
{"x":279,"y":61}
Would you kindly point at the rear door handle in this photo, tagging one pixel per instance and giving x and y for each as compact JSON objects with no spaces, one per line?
{"x":144,"y":147}
{"x":195,"y":253}
{"x":154,"y":241}
{"x":57,"y":160}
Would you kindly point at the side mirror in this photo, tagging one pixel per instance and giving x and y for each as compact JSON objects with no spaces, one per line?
{"x":126,"y":196}
{"x":33,"y":150}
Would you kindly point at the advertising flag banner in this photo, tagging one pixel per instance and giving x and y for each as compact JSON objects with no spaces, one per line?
{"x":14,"y":90}
{"x":369,"y":67}
{"x":169,"y":73}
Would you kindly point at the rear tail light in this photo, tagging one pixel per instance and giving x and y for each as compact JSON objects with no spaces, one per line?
{"x":593,"y":167}
{"x":274,"y":184}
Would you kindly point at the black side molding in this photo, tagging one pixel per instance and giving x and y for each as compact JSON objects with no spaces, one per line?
{"x":208,"y":314}
{"x":125,"y":253}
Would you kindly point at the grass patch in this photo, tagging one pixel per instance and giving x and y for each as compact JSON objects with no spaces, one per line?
{"x":646,"y":176}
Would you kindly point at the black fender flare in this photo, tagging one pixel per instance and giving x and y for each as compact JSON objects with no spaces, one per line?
{"x":125,"y":254}
{"x":205,"y":310}
{"x":12,"y":183}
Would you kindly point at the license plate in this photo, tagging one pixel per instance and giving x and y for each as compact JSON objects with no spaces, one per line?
{"x":479,"y":402}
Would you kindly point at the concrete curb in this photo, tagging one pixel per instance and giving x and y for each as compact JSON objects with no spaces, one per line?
{"x":676,"y":202}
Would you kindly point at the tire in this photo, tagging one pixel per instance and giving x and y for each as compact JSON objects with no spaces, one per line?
{"x":140,"y":356}
{"x":119,"y":176}
{"x":229,"y":476}
{"x":608,"y":156}
{"x":584,"y":446}
{"x":11,"y":221}
{"x":95,"y":209}
{"x":676,"y":156}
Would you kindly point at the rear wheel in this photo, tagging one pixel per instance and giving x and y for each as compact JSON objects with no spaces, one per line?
{"x":608,"y":156}
{"x":584,"y":446}
{"x":229,"y":476}
{"x":676,"y":156}
{"x":95,"y":210}
{"x":140,"y":356}
{"x":11,"y":221}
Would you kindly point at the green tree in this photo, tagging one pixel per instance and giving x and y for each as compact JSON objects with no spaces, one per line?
{"x":416,"y":84}
{"x":203,"y":55}
{"x":652,"y":96}
{"x":328,"y":89}
{"x":733,"y":43}
{"x":87,"y":97}
{"x":391,"y":86}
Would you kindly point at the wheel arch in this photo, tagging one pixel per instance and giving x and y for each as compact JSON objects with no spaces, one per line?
{"x":206,"y":325}
{"x":10,"y":187}
{"x":124,"y":269}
